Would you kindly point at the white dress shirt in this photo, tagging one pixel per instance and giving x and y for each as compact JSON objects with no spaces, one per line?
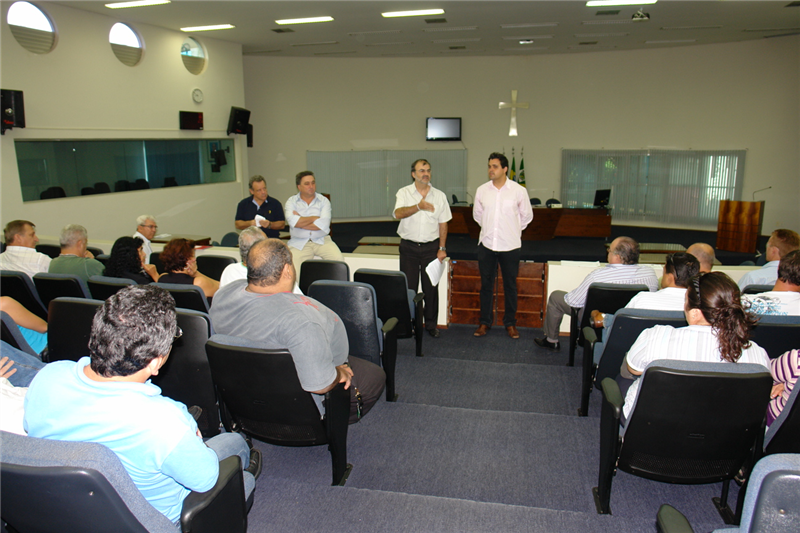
{"x":502,"y":215}
{"x":766,"y":275}
{"x":613,"y":273}
{"x":422,"y":226}
{"x":24,"y":259}
{"x":774,"y":303}
{"x":319,"y":207}
{"x":667,"y":299}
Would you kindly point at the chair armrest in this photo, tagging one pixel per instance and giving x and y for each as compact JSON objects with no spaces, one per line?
{"x":613,"y":397}
{"x":670,"y":520}
{"x":220,"y":509}
{"x":587,"y":369}
{"x":418,"y":298}
{"x":590,"y":335}
{"x":389,"y":326}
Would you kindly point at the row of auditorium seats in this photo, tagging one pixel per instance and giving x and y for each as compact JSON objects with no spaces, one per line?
{"x":101,"y":187}
{"x":677,"y":442}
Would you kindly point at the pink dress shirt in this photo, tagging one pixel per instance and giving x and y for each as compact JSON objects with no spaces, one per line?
{"x":502,"y":215}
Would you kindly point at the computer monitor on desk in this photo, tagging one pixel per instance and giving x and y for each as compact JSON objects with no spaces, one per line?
{"x":601,"y":198}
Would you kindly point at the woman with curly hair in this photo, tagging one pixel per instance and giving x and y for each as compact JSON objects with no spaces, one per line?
{"x":718,"y":332}
{"x":127,"y":261}
{"x":181,"y":267}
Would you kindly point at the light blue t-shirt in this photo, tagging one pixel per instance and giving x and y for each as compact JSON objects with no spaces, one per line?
{"x":154,"y":437}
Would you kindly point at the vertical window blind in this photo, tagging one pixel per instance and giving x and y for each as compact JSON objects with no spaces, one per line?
{"x":667,"y":186}
{"x":364,"y":183}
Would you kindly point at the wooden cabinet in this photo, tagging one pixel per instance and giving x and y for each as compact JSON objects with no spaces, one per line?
{"x":465,"y":287}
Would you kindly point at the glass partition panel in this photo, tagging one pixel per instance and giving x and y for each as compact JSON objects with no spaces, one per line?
{"x":55,"y":169}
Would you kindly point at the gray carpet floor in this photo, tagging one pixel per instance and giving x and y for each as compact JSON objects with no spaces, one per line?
{"x":484,"y":437}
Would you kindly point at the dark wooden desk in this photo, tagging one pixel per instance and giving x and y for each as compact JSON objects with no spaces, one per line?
{"x":547,"y":223}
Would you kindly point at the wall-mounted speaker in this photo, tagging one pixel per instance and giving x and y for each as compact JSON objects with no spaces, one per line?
{"x":238,"y":121}
{"x":12,"y":110}
{"x":249,"y":135}
{"x":191,"y":120}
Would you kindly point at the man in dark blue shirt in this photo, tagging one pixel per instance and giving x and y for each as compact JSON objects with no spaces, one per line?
{"x":260,"y":210}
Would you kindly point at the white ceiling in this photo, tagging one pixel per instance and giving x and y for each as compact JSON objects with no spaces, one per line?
{"x":472,"y":28}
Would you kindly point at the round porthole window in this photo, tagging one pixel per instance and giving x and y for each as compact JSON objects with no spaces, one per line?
{"x":32,"y":29}
{"x":125,"y":43}
{"x":193,"y":55}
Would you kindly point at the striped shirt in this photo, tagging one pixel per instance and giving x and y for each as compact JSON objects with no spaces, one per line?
{"x":24,"y":259}
{"x":690,"y":343}
{"x":613,"y":273}
{"x":785,"y":369}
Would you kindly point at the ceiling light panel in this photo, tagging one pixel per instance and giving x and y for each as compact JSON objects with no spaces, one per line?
{"x":417,"y":13}
{"x":529,"y":25}
{"x":373,"y":32}
{"x":457,"y":28}
{"x":307,"y":20}
{"x":209,"y":28}
{"x":610,"y":3}
{"x":137,"y":3}
{"x":527,"y":37}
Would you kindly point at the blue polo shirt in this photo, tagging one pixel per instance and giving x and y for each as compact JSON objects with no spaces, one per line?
{"x":271,"y":209}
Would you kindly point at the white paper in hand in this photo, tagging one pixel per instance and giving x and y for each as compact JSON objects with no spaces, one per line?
{"x":259,"y":218}
{"x":435,"y":269}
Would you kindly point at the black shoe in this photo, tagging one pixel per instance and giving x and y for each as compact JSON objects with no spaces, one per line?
{"x":433,"y":333}
{"x":544,"y":343}
{"x":255,"y":463}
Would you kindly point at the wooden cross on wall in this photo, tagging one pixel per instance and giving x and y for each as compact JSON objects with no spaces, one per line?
{"x":512,"y":129}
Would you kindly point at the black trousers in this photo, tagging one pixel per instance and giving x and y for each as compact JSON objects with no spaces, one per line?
{"x":509,"y":266}
{"x":414,"y":257}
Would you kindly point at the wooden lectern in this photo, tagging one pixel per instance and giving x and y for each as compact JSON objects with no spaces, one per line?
{"x":739,"y":225}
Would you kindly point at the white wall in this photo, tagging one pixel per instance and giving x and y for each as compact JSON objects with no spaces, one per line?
{"x":727,"y":96}
{"x":80,"y":90}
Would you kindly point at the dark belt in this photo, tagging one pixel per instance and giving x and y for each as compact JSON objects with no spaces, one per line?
{"x":418,"y":243}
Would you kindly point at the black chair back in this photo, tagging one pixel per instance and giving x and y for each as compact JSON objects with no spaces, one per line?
{"x":777,"y":334}
{"x":10,"y":333}
{"x":552,"y":201}
{"x":715,"y":416}
{"x":230,"y":239}
{"x":186,"y":376}
{"x":356,"y":305}
{"x":391,"y":291}
{"x":51,"y":286}
{"x":69,"y":328}
{"x":103,"y":258}
{"x":95,"y":251}
{"x":261,"y":396}
{"x":757,"y":289}
{"x":536,"y":201}
{"x":186,"y":296}
{"x":101,"y":187}
{"x":316,"y":269}
{"x":51,"y":250}
{"x":606,"y":298}
{"x":19,"y":286}
{"x":155,"y":260}
{"x":213,"y":265}
{"x":103,"y":287}
{"x":52,"y":192}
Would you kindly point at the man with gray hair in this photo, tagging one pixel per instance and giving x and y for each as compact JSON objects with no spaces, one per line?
{"x":234,"y":271}
{"x":75,"y":258}
{"x":260,"y":210}
{"x":146,"y":228}
{"x":263,"y":309}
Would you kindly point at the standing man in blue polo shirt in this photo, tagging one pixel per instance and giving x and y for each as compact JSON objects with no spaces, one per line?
{"x":260,"y":210}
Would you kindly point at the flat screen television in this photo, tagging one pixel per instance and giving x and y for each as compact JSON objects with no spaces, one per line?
{"x":601,"y":197}
{"x":443,"y":129}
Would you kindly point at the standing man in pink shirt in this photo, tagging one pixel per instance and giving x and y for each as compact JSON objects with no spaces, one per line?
{"x":502,"y":209}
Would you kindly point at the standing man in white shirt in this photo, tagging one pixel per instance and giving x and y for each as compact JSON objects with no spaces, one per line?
{"x":146,"y":228}
{"x":309,"y":217}
{"x":423,"y":212}
{"x":21,"y":255}
{"x":502,"y":209}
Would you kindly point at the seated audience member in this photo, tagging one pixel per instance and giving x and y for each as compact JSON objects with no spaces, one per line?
{"x":75,"y":258}
{"x":678,"y":270}
{"x":21,"y":255}
{"x":784,"y":298}
{"x":780,"y":243}
{"x":785,"y":370}
{"x":260,"y":210}
{"x":181,"y":267}
{"x":263,"y":309}
{"x":107,"y":398}
{"x":127,"y":260}
{"x":309,"y":217}
{"x":622,"y":269}
{"x":146,"y":228}
{"x":704,"y":253}
{"x":17,"y":369}
{"x":234,"y":271}
{"x":32,"y":327}
{"x":718,"y":332}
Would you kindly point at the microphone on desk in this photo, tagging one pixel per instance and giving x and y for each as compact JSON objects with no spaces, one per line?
{"x":759,"y":190}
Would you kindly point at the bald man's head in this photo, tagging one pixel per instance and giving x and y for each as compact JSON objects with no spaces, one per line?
{"x":704,"y":253}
